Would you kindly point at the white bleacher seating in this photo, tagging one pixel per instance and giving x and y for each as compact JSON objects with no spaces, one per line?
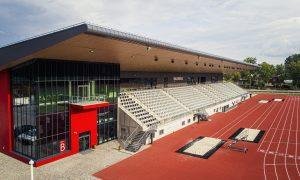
{"x":154,"y":105}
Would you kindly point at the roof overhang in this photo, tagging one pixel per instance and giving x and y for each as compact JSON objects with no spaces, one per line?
{"x":85,"y":42}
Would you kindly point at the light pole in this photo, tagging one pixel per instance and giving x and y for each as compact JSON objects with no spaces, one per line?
{"x":251,"y":76}
{"x":31,"y":162}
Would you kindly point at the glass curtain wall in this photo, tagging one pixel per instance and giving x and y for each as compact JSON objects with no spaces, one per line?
{"x":42,"y":91}
{"x":107,"y":124}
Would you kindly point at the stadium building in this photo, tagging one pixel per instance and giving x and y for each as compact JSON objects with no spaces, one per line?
{"x":69,"y":90}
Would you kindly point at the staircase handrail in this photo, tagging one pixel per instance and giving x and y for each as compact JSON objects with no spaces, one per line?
{"x":146,"y":132}
{"x":129,"y":138}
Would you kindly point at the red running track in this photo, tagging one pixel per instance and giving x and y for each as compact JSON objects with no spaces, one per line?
{"x":276,"y":156}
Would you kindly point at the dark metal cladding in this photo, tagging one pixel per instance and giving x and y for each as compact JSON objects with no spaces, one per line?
{"x":24,"y":48}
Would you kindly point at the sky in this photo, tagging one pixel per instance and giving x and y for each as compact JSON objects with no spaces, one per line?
{"x":266,"y":29}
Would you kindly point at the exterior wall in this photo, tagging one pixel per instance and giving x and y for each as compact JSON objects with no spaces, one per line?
{"x":5,"y":113}
{"x":173,"y":126}
{"x":218,"y":108}
{"x":126,"y":125}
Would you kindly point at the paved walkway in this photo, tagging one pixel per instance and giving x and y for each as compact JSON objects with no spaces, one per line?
{"x":78,"y":166}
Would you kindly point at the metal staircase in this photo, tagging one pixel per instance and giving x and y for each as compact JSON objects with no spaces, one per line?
{"x":137,"y":139}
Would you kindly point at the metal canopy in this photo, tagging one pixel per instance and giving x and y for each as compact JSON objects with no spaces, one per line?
{"x":13,"y":54}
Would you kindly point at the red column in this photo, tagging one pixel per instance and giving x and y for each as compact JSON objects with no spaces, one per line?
{"x":5,"y":113}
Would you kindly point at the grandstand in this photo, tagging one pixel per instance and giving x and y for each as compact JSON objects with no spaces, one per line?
{"x":170,"y":109}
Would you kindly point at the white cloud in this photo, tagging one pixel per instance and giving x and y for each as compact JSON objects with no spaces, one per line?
{"x":266,"y":29}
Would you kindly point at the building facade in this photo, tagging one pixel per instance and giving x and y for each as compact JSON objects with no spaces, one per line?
{"x":44,"y":97}
{"x":59,"y":91}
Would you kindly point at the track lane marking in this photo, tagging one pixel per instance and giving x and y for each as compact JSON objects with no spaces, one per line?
{"x":287,"y":146}
{"x":267,"y":110}
{"x":245,"y":113}
{"x":269,"y":130}
{"x":296,"y":151}
{"x":264,"y":160}
{"x":273,"y":107}
{"x":281,"y":134}
{"x":228,"y":129}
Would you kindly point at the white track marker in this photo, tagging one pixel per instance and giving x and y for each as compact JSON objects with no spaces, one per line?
{"x":275,"y":157}
{"x":271,"y":126}
{"x":248,"y":111}
{"x":287,"y":146}
{"x":273,"y":107}
{"x":242,"y":120}
{"x":296,"y":152}
{"x":264,"y":162}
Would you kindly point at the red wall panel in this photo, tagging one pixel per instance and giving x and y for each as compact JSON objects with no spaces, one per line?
{"x":82,"y":121}
{"x":5,"y":113}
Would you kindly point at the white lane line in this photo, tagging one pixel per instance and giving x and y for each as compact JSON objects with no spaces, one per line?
{"x":292,"y":130}
{"x":281,"y":135}
{"x":279,"y":154}
{"x":269,"y":130}
{"x":282,"y":164}
{"x":253,"y":108}
{"x":228,"y":129}
{"x":282,"y":142}
{"x":264,"y":162}
{"x":267,"y":110}
{"x":287,"y":146}
{"x":296,"y":152}
{"x":273,"y":107}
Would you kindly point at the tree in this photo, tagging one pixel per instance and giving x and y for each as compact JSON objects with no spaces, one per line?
{"x":260,"y":76}
{"x":227,"y":77}
{"x":250,"y":60}
{"x":280,"y":72}
{"x":266,"y":71}
{"x":235,"y":76}
{"x":292,"y":68}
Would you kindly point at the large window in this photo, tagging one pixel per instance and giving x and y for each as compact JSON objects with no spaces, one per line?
{"x":42,"y":91}
{"x":107,"y":124}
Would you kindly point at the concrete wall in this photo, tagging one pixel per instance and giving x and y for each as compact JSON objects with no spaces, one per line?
{"x":174,"y":125}
{"x":218,"y":108}
{"x":126,"y":125}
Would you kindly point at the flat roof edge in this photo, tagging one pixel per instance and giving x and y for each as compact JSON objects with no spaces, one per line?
{"x":116,"y":34}
{"x":13,"y":51}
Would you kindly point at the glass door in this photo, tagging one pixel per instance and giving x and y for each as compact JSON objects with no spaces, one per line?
{"x":84,"y":141}
{"x":83,"y":91}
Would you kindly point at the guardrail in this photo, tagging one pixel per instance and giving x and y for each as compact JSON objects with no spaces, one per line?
{"x":129,"y":138}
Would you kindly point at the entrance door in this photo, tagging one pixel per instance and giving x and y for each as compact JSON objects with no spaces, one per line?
{"x":84,"y":141}
{"x":83,"y":92}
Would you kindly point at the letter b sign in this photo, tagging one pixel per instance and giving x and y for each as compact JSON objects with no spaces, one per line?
{"x":62,"y":146}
